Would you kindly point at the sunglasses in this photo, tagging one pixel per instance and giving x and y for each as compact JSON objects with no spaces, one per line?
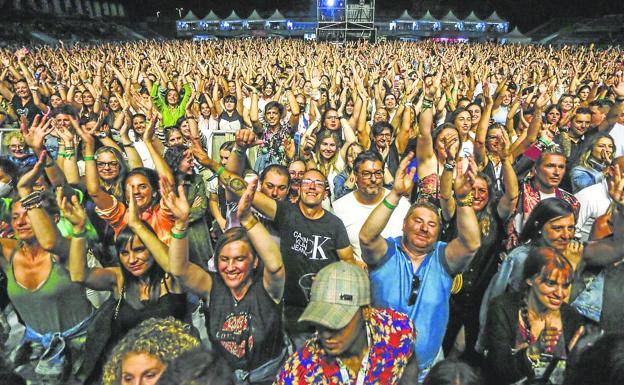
{"x":414,"y":291}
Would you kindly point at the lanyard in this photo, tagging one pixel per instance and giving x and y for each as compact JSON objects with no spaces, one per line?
{"x":344,"y":372}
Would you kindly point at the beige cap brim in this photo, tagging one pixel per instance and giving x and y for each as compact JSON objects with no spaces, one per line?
{"x":331,"y":315}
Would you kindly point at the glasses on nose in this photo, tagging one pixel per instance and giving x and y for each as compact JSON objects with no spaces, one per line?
{"x":369,"y":174}
{"x":414,"y":291}
{"x":385,"y":135}
{"x":313,"y":183}
{"x":16,"y":146}
{"x":113,"y":164}
{"x":332,"y":117}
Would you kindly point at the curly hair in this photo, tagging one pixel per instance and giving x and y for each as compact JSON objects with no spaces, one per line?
{"x":164,"y":339}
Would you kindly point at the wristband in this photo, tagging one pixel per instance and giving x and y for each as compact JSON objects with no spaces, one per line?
{"x":181,"y":235}
{"x":127,"y":144}
{"x":388,"y":204}
{"x":449,"y":166}
{"x":466,"y":201}
{"x":88,"y":157}
{"x":220,"y":171}
{"x":80,"y":234}
{"x":251,"y":224}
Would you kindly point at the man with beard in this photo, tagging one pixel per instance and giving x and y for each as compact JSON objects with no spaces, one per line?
{"x":572,"y":141}
{"x":355,"y":207}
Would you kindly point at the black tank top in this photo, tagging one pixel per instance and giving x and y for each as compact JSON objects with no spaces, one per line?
{"x":170,"y":304}
{"x":247,"y":333}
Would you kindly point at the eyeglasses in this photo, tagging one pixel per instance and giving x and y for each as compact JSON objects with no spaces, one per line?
{"x":313,"y":182}
{"x":332,"y":117}
{"x":16,"y":146}
{"x":113,"y":164}
{"x":386,"y":135}
{"x":369,"y":174}
{"x":414,"y":292}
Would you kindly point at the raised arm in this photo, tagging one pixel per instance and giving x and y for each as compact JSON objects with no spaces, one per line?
{"x":274,"y":276}
{"x":459,"y":251}
{"x":46,"y":232}
{"x":509,"y":200}
{"x":233,"y":182}
{"x":190,"y":275}
{"x":373,"y":245}
{"x":101,"y":198}
{"x":75,"y":214}
{"x":160,"y":164}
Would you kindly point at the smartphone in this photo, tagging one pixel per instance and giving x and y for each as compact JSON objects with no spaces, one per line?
{"x":413,"y":164}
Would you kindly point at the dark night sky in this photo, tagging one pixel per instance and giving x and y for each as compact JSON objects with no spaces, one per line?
{"x":525,"y":13}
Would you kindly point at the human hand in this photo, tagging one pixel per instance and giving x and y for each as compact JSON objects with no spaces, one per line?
{"x":71,"y":209}
{"x":39,"y":129}
{"x":246,"y":138}
{"x":177,"y":204}
{"x":27,"y":181}
{"x":244,"y":204}
{"x":464,"y":180}
{"x":404,"y":180}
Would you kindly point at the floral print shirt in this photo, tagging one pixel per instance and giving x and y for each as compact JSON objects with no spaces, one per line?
{"x":393,"y":340}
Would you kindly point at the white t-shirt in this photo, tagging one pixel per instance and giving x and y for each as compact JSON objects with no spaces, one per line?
{"x":617,"y":133}
{"x":594,"y":201}
{"x":353,"y":214}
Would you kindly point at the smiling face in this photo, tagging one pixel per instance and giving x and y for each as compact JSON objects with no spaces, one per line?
{"x":107,"y":166}
{"x":390,"y":101}
{"x":463,"y":122}
{"x":135,"y":257}
{"x":138,"y":124}
{"x":272,"y":116}
{"x":141,"y":369}
{"x":567,"y":103}
{"x":17,"y":148}
{"x":580,"y":124}
{"x":235,"y":264}
{"x":88,"y":99}
{"x":551,"y":291}
{"x":22,"y":90}
{"x":142,"y":189}
{"x":558,"y":232}
{"x":327,"y":148}
{"x":187,"y":164}
{"x":480,"y":193}
{"x":381,"y":115}
{"x":172,"y":97}
{"x":21,"y":223}
{"x":113,"y":103}
{"x":475,"y":113}
{"x":603,"y":150}
{"x":312,"y":189}
{"x":420,"y":229}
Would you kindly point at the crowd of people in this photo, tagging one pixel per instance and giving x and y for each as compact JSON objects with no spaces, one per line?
{"x":289,"y":212}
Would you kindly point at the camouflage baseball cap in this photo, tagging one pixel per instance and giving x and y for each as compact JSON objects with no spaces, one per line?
{"x":338,"y":291}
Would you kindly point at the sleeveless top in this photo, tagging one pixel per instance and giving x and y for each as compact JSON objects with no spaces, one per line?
{"x":55,"y":306}
{"x":247,"y":333}
{"x":170,"y":304}
{"x":231,"y":123}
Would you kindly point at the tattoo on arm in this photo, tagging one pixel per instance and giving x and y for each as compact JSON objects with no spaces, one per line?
{"x":236,"y":184}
